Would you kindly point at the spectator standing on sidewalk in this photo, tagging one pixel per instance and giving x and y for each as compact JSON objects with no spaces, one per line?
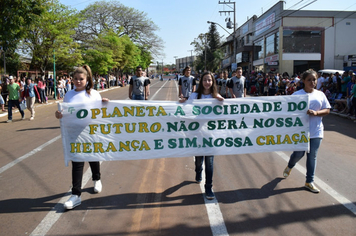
{"x":4,"y":91}
{"x":318,"y":107}
{"x":50,"y":85}
{"x":68,"y":84}
{"x":346,"y":78}
{"x":14,"y":90}
{"x":41,"y":86}
{"x":353,"y":97}
{"x":2,"y":103}
{"x":29,"y":93}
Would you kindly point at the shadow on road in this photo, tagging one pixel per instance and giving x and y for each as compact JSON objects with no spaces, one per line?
{"x":39,"y":128}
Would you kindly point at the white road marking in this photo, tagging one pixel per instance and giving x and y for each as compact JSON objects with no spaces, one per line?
{"x":34,"y":151}
{"x":51,"y":218}
{"x":215,"y":216}
{"x":329,"y":190}
{"x":154,"y":95}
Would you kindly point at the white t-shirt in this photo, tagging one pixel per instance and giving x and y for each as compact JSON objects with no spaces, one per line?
{"x":317,"y":102}
{"x":320,"y":82}
{"x":82,"y":96}
{"x":195,"y":96}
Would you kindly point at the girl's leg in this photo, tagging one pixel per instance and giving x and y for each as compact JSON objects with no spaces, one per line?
{"x":77,"y":177}
{"x":294,"y":158}
{"x":209,"y":167}
{"x":311,"y":158}
{"x":198,"y":167}
{"x":95,"y":170}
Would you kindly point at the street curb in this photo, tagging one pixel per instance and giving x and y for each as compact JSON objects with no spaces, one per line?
{"x":343,"y":115}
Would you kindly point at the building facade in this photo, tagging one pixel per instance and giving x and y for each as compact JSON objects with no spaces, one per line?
{"x":183,"y":62}
{"x":293,"y":41}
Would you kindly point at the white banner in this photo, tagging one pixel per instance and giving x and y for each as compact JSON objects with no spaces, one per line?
{"x":137,"y":129}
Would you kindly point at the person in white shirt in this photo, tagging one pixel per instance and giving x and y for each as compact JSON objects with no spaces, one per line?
{"x":320,"y":81}
{"x":83,"y":93}
{"x":319,"y":106}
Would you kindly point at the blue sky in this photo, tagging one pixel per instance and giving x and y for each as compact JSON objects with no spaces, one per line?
{"x":180,"y":21}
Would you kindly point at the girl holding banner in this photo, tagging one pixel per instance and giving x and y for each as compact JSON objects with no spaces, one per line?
{"x":319,"y":106}
{"x":83,"y":93}
{"x":206,"y":89}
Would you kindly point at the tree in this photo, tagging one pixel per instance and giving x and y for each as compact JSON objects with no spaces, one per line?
{"x":103,"y":53}
{"x":207,"y":48}
{"x":214,"y":53}
{"x":52,"y":31}
{"x":12,"y":61}
{"x":15,"y":17}
{"x":103,"y":16}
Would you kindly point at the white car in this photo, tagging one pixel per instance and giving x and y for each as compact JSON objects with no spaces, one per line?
{"x":330,"y":71}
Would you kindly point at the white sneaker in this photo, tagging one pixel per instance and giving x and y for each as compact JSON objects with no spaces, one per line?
{"x":97,"y":186}
{"x":31,"y":118}
{"x":73,"y":201}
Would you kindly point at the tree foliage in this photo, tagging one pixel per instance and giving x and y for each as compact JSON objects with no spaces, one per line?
{"x":207,"y":47}
{"x":15,"y":17}
{"x":51,"y":33}
{"x":106,"y":35}
{"x":103,"y":16}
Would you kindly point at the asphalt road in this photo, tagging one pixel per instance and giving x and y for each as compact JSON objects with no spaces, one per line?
{"x":160,"y":197}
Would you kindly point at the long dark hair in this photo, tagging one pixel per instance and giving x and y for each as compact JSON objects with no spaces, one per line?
{"x":213,"y":89}
{"x":87,"y":71}
{"x":309,"y":72}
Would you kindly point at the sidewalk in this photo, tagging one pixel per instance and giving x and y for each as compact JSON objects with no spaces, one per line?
{"x":343,"y":115}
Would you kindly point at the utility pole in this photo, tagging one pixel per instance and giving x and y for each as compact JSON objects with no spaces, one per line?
{"x":191,"y":56}
{"x":231,"y":11}
{"x":175,"y":62}
{"x":54,"y":74}
{"x":205,"y":52}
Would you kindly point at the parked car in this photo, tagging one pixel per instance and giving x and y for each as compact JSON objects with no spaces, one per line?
{"x":330,"y":71}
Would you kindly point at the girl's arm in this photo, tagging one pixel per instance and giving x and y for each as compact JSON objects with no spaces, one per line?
{"x":219,"y":97}
{"x":322,"y":112}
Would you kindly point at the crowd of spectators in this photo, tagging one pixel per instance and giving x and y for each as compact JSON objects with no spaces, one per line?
{"x":47,"y":87}
{"x":337,"y":87}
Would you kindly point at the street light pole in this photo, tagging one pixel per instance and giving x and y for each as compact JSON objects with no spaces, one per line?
{"x":215,"y":23}
{"x":175,"y":61}
{"x":54,"y":75}
{"x":205,"y":52}
{"x":233,"y":36}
